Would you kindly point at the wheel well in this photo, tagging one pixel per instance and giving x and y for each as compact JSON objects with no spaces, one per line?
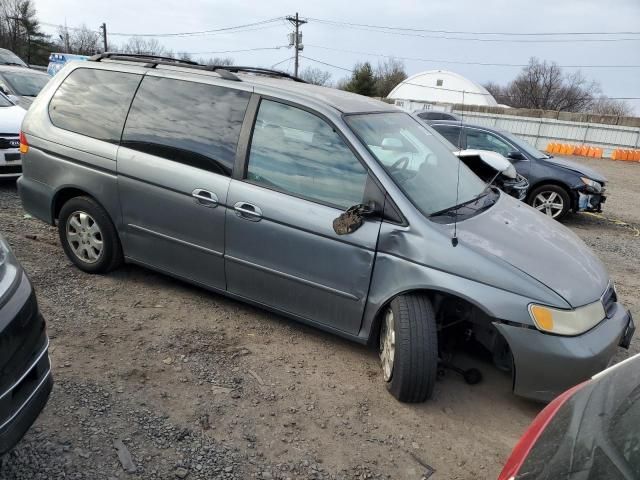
{"x":557,"y":183}
{"x":454,"y":314}
{"x":63,"y":196}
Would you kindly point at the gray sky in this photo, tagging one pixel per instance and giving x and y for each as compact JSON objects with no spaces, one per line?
{"x":166,"y":16}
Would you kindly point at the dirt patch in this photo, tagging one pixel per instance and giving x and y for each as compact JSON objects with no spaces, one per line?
{"x":200,"y":386}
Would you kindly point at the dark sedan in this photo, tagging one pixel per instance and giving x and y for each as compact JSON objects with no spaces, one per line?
{"x":557,"y":186}
{"x":25,"y":371}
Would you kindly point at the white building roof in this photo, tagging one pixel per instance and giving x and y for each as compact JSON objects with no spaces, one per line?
{"x":441,"y":86}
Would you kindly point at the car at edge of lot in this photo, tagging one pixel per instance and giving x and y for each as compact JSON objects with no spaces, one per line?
{"x":557,"y":185}
{"x":22,"y":84}
{"x":286,"y":195}
{"x":25,"y":370}
{"x":589,"y":432}
{"x":11,"y":116}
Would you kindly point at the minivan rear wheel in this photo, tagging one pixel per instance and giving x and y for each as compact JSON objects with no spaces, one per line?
{"x":88,"y":236}
{"x":409,"y":348}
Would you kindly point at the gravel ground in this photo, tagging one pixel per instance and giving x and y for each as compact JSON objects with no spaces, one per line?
{"x":159,"y":379}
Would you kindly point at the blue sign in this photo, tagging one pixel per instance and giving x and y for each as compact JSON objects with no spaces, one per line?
{"x":58,"y":60}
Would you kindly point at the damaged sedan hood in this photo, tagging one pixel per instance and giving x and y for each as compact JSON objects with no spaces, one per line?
{"x":576,"y":167}
{"x":537,"y":245}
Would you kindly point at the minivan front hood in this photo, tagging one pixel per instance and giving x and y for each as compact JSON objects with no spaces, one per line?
{"x":539,"y":246}
{"x":576,"y":167}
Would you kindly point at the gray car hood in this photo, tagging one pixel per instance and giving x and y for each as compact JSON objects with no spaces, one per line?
{"x":539,"y":246}
{"x":576,"y":167}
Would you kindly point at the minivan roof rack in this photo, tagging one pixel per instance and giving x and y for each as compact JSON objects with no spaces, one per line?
{"x":225,"y":71}
{"x":153,"y":61}
{"x":138,"y":57}
{"x":261,"y":71}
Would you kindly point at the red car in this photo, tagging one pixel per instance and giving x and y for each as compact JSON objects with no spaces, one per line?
{"x":590,"y":432}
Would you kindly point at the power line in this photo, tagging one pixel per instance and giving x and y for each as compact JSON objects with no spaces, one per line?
{"x":468,"y":32}
{"x":327,"y":64}
{"x":237,"y":28}
{"x":201,"y":32}
{"x":237,"y":51}
{"x":472,"y":39}
{"x":282,"y":61}
{"x":431,"y":60}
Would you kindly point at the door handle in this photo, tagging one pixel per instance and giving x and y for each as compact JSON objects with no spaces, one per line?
{"x":205,"y":198}
{"x":248,"y":211}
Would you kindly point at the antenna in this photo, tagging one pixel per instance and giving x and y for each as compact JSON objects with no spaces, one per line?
{"x":454,"y":239}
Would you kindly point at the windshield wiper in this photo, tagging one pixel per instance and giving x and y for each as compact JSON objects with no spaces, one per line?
{"x":484,"y":193}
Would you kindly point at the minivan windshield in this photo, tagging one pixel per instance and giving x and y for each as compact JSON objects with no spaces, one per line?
{"x":420,"y":164}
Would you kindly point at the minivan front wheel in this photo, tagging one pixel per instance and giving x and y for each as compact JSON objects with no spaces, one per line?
{"x":408,"y":348}
{"x":88,"y":236}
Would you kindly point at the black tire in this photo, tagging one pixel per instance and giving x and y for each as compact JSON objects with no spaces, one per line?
{"x":110,"y":257}
{"x":549,"y":189}
{"x":415,"y":362}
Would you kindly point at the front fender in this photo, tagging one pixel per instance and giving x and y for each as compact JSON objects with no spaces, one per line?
{"x":394,"y":275}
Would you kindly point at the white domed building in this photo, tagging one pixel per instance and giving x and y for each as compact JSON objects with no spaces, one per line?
{"x":438,"y":90}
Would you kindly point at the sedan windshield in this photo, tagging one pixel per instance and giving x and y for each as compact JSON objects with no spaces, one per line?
{"x":420,"y":164}
{"x":526,"y":146}
{"x":26,"y":84}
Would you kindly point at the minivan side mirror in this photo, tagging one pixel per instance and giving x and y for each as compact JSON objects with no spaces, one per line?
{"x":353,"y":218}
{"x":516,"y":155}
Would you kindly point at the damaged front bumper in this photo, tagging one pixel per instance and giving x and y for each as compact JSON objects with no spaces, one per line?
{"x":516,"y":187}
{"x":546,"y":365}
{"x":590,"y":198}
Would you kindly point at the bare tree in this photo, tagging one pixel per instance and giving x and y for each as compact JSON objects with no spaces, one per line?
{"x":607,"y":106}
{"x":20,"y":31}
{"x":388,"y":74}
{"x":141,"y":46}
{"x":498,"y":92}
{"x":185,"y":56}
{"x":220,"y":61}
{"x":81,"y":41}
{"x":544,"y":86}
{"x":315,"y":76}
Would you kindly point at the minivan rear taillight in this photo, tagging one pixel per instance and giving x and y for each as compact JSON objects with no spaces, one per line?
{"x":24,"y":145}
{"x":524,"y":446}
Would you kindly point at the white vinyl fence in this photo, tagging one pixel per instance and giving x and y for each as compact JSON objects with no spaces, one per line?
{"x":542,"y":131}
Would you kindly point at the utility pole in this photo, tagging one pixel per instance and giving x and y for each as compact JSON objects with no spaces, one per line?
{"x":296,"y":39}
{"x":103,"y":27}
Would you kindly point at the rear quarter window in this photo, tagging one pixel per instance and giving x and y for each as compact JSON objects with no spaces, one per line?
{"x":94,"y":103}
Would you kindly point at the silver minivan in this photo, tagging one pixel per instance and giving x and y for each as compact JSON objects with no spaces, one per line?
{"x":331,"y":208}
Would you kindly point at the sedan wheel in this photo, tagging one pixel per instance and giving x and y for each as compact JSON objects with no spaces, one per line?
{"x":387,"y":345}
{"x":84,"y":237}
{"x":549,"y":203}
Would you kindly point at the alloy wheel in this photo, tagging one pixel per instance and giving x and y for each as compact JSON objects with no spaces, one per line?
{"x":387,"y":345}
{"x":84,"y":237}
{"x":549,"y":203}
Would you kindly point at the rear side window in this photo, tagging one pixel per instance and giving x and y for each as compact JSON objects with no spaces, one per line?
{"x":187,"y":122}
{"x":486,"y":141}
{"x":450,"y":133}
{"x":94,"y":103}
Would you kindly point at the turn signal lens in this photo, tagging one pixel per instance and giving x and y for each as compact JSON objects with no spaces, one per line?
{"x":543,"y":317}
{"x":24,"y":145}
{"x":567,"y":322}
